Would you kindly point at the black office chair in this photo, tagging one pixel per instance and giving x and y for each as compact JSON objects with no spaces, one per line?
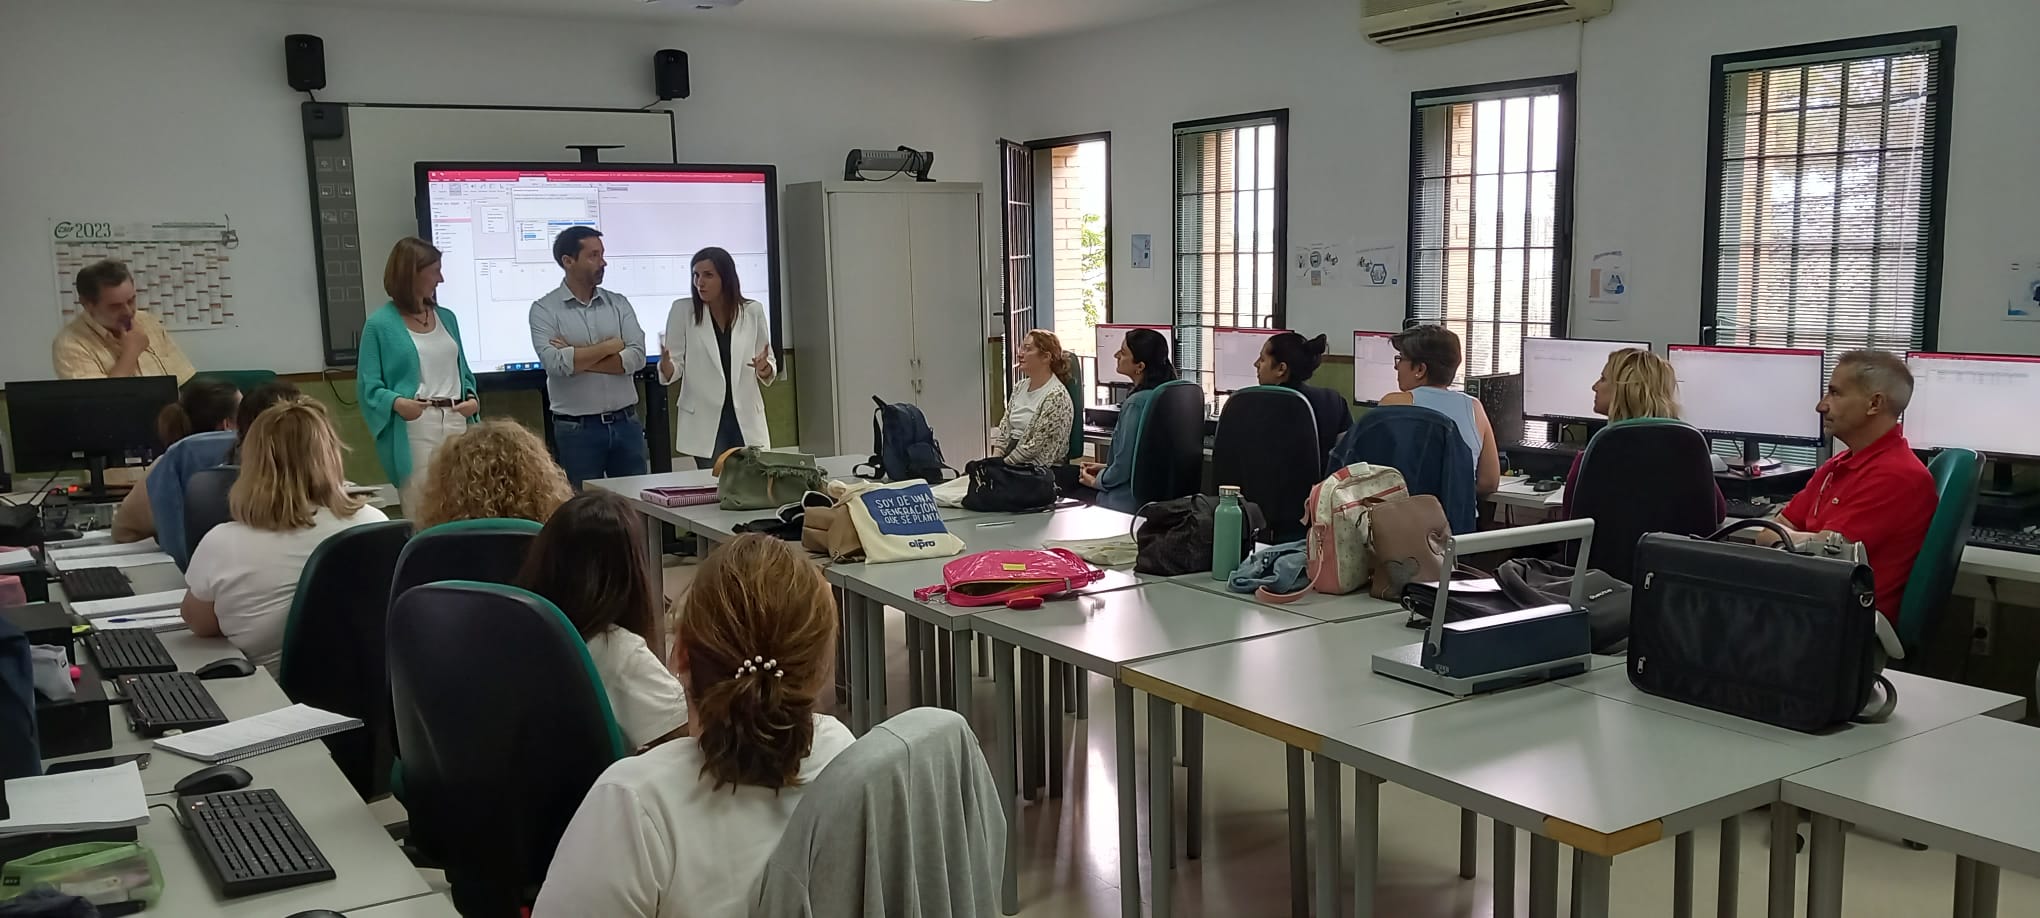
{"x":1637,"y":476}
{"x":503,"y":726}
{"x":1168,"y":457}
{"x":333,"y":646}
{"x":1077,"y":403}
{"x":205,"y":502}
{"x":1267,"y":444}
{"x":489,"y":551}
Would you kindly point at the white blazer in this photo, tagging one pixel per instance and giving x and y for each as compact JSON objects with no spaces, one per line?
{"x":697,"y":364}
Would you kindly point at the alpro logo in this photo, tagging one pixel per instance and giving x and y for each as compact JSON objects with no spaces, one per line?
{"x":921,"y":543}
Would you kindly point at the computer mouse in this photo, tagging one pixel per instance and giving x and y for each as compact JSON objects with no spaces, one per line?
{"x":1546,"y":487}
{"x":227,"y":668}
{"x":316,"y":913}
{"x":214,"y":780}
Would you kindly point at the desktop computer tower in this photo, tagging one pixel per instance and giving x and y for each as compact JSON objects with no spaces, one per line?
{"x":1502,"y":396}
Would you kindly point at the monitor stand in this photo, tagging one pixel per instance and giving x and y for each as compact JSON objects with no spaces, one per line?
{"x":95,"y":490}
{"x":1752,"y":462}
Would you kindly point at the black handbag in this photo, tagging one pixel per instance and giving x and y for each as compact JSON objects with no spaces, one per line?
{"x":997,"y":486}
{"x":1536,"y":582}
{"x":1175,"y":536}
{"x":1775,"y":634}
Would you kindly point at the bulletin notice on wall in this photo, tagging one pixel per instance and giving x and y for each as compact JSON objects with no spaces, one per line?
{"x":183,"y":271}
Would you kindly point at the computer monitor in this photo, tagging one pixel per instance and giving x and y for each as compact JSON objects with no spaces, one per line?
{"x":495,"y":223}
{"x":1974,"y":401}
{"x":1236,"y":350}
{"x":1373,"y":366}
{"x":1753,"y":394}
{"x":1559,"y":376}
{"x":64,"y":424}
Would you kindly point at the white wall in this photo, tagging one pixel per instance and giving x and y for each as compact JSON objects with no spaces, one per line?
{"x":150,"y":109}
{"x":1643,"y":90}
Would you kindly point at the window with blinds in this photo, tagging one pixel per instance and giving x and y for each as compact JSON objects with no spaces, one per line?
{"x":1232,"y":215}
{"x":1491,"y":215}
{"x":1827,"y":182}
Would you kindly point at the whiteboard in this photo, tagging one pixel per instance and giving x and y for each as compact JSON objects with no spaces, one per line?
{"x":1238,"y":348}
{"x":364,"y":184}
{"x":1109,"y":339}
{"x":1373,"y":366}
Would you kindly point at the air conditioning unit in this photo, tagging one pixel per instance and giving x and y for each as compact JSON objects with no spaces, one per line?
{"x":1423,"y":23}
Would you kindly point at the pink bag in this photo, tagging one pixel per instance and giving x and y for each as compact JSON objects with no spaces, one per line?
{"x":993,"y":578}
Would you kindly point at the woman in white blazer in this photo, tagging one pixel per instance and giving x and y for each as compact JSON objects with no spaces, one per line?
{"x":718,"y":347}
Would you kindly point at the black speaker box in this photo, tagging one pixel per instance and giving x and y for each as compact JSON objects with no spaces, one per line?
{"x":669,"y":71}
{"x":304,"y":61}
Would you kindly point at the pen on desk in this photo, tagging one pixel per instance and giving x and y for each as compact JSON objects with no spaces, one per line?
{"x":994,"y":524}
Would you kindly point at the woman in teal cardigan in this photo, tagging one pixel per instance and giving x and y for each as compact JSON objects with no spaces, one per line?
{"x":413,"y":379}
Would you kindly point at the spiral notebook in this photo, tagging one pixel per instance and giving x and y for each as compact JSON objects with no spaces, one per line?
{"x":278,"y":729}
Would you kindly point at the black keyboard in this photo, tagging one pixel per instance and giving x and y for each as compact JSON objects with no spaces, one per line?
{"x":2019,"y":540}
{"x":1544,"y":446}
{"x":89,"y":583}
{"x":1750,"y":510}
{"x":122,"y":653}
{"x":250,"y":842}
{"x":158,"y":703}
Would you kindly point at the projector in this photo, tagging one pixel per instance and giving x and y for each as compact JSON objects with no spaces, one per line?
{"x":895,"y":162}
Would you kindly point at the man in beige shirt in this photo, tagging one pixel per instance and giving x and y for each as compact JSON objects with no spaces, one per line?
{"x":112,"y":338}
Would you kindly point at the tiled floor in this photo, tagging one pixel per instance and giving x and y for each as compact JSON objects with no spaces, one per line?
{"x":1069,"y":852}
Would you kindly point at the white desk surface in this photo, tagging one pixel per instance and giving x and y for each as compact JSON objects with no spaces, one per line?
{"x":1550,"y":752}
{"x":1319,"y":606}
{"x":2004,"y":565}
{"x":1516,"y":492}
{"x":1923,"y":704}
{"x":1967,"y":788}
{"x":1103,"y":631}
{"x":1031,"y":530}
{"x":432,"y":905}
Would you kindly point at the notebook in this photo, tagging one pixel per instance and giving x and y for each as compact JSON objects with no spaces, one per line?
{"x":94,"y":537}
{"x":146,"y":602}
{"x":158,"y":622}
{"x":154,"y":557}
{"x":278,"y":729}
{"x":109,"y":550}
{"x":102,"y":798}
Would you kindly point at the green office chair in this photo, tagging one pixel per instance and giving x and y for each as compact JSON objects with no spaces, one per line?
{"x":1077,"y":403}
{"x":1958,"y":476}
{"x":1168,"y":456}
{"x":333,"y":646}
{"x":491,"y":551}
{"x":245,"y":380}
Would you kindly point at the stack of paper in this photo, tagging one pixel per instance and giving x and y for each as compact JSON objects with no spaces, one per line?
{"x":15,"y":559}
{"x":104,"y":798}
{"x":93,"y":537}
{"x":129,"y":605}
{"x":262,"y":733}
{"x":65,"y":551}
{"x":74,"y":563}
{"x":159,"y":622}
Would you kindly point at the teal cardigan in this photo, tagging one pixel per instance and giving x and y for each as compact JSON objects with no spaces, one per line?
{"x":386,"y":370}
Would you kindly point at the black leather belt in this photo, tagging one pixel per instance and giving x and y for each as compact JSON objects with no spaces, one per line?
{"x":607,"y":417}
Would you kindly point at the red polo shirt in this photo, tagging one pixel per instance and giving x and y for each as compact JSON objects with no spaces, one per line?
{"x":1880,"y":495}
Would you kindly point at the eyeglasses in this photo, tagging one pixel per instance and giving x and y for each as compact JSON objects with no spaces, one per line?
{"x":1398,"y":360}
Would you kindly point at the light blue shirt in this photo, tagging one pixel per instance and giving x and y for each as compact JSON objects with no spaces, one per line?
{"x":1455,"y":405}
{"x":607,"y":315}
{"x":167,"y":478}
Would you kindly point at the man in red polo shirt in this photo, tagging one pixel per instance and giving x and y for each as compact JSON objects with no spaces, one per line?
{"x":1877,"y":493}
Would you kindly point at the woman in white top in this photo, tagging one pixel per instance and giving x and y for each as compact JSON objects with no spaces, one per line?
{"x":290,"y":496}
{"x":590,"y":561}
{"x":1427,"y":359}
{"x":685,"y":829}
{"x":1036,"y":429}
{"x":718,"y":347}
{"x":411,"y":375}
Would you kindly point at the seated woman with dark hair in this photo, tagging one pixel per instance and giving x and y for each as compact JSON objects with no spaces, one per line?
{"x":590,"y":562}
{"x":203,"y":406}
{"x":1427,"y":359}
{"x":1144,"y":358}
{"x":1289,"y":360}
{"x":1036,"y":428}
{"x":211,"y":449}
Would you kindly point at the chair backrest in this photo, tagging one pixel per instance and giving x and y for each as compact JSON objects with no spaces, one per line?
{"x":489,"y":551}
{"x":904,"y":822}
{"x":205,"y":502}
{"x":1958,"y":476}
{"x":1639,"y":476}
{"x":245,"y":380}
{"x":502,"y":726}
{"x":1425,"y":446}
{"x":1168,"y":456}
{"x":1267,"y":444}
{"x":1077,"y":403}
{"x":333,"y":646}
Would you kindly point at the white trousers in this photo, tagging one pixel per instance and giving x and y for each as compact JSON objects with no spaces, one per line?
{"x":434,"y":427}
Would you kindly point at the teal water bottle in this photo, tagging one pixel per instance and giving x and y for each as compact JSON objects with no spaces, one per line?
{"x":1226,"y":525}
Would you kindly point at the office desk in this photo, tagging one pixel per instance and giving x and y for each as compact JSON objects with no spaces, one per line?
{"x":1573,"y":768}
{"x":431,"y":905}
{"x":1321,"y":606}
{"x":1102,"y":633}
{"x":1926,"y":789}
{"x":2001,"y":564}
{"x":1516,"y":492}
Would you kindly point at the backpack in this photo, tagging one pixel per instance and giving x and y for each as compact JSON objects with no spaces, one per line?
{"x":1337,"y":546}
{"x":903,"y":445}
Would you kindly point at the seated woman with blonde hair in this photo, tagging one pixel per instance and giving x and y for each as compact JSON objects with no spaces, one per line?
{"x":290,"y":496}
{"x":1036,"y":428}
{"x":1634,"y":383}
{"x":492,"y":470}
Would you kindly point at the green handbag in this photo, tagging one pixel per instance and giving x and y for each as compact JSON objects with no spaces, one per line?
{"x":750,"y":478}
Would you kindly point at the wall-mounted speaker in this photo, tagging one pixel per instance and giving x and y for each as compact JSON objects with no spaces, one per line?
{"x":304,"y":62}
{"x":669,"y":72}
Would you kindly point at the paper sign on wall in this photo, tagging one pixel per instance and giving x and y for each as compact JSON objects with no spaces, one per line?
{"x":1377,"y":263}
{"x":2022,"y":294}
{"x":182,"y":271}
{"x":1608,"y":279}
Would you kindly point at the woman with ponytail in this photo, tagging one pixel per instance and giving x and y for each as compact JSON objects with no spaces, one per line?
{"x":685,"y":828}
{"x":1289,"y":360}
{"x":202,"y":406}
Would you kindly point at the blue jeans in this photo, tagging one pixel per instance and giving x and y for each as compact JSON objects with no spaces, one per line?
{"x":591,"y":448}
